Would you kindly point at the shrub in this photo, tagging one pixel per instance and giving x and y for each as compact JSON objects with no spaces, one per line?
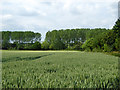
{"x":89,"y":44}
{"x":107,"y":48}
{"x":45,"y":45}
{"x":97,"y":49}
{"x":36,"y":46}
{"x":117,"y":44}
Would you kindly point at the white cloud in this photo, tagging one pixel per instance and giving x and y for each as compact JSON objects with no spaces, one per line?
{"x":44,"y":15}
{"x":7,"y":16}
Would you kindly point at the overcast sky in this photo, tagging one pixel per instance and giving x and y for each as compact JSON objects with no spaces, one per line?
{"x":46,"y":15}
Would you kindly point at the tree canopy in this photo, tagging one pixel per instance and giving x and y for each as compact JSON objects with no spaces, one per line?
{"x":98,"y":39}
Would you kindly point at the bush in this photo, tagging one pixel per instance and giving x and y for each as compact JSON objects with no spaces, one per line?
{"x":36,"y":46}
{"x":88,"y":49}
{"x":51,"y":47}
{"x":107,"y":48}
{"x":57,"y":46}
{"x":89,"y":44}
{"x":97,"y":50}
{"x":20,"y":47}
{"x":69,"y":48}
{"x":117,"y":44}
{"x":45,"y":45}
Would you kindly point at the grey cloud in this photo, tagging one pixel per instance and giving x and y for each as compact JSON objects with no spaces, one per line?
{"x":11,"y":26}
{"x":47,"y":3}
{"x":88,"y":15}
{"x":24,"y":12}
{"x":20,"y":12}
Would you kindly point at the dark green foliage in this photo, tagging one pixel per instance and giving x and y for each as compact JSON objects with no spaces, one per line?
{"x":85,"y":39}
{"x":107,"y":48}
{"x":25,"y":37}
{"x":89,"y":44}
{"x":116,"y":28}
{"x":45,"y":45}
{"x":36,"y":46}
{"x":77,"y":46}
{"x":5,"y":39}
{"x":20,"y":40}
{"x":28,"y":46}
{"x":104,"y":40}
{"x":71,"y":39}
{"x":117,"y":44}
{"x":97,"y":39}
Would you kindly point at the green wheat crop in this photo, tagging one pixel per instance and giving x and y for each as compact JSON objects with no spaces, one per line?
{"x":59,"y":69}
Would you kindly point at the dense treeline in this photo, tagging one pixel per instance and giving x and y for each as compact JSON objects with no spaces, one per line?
{"x":20,"y":40}
{"x":84,"y":39}
{"x":70,"y":38}
{"x":98,"y":39}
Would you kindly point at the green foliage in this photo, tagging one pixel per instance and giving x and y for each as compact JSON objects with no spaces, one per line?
{"x":55,"y":40}
{"x":93,"y":33}
{"x":109,"y":38}
{"x":45,"y":45}
{"x":19,"y":39}
{"x":98,"y":39}
{"x":97,"y":49}
{"x":62,"y":69}
{"x":116,"y":28}
{"x":92,"y":39}
{"x":117,"y":44}
{"x":69,"y":38}
{"x":6,"y":39}
{"x":36,"y":46}
{"x":51,"y":47}
{"x":77,"y":46}
{"x":103,"y":42}
{"x":89,"y":44}
{"x":28,"y":46}
{"x":58,"y":45}
{"x":107,"y":48}
{"x":115,"y":53}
